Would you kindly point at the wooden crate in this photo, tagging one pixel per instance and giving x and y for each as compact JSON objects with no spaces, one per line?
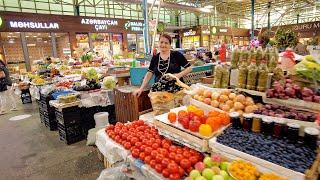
{"x":129,"y":107}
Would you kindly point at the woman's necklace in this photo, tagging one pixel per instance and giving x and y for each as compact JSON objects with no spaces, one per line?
{"x":162,"y":73}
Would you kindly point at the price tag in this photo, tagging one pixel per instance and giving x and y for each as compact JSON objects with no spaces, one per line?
{"x":138,"y":163}
{"x":83,"y":82}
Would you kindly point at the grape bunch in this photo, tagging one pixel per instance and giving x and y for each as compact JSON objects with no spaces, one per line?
{"x":279,"y":151}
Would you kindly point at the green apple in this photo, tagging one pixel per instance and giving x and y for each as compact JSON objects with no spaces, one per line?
{"x":224,"y":174}
{"x":224,"y":166}
{"x":217,"y":177}
{"x":208,"y":162}
{"x":194,"y":174}
{"x":200,"y":178}
{"x":216,"y":170}
{"x":207,"y":173}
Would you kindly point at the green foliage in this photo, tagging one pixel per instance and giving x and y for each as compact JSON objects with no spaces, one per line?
{"x":286,"y":38}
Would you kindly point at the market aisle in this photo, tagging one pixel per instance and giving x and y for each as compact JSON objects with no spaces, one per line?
{"x":30,"y":151}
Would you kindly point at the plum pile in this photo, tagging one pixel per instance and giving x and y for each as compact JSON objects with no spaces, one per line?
{"x":291,"y":90}
{"x":279,"y":151}
{"x":166,"y":83}
{"x":286,"y":112}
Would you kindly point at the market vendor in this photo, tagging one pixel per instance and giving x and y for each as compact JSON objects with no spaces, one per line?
{"x":166,"y":61}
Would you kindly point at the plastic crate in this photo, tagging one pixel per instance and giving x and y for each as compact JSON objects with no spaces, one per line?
{"x":137,"y":74}
{"x":68,"y":116}
{"x":71,"y":134}
{"x":49,"y":121}
{"x":86,"y":126}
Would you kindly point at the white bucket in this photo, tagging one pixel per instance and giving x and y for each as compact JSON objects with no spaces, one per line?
{"x":102,"y":119}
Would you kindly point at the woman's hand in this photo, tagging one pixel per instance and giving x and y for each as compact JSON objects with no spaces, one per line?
{"x":137,"y":92}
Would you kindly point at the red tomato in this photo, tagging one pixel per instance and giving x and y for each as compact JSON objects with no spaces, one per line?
{"x":165,"y":162}
{"x":135,"y":153}
{"x":165,"y":141}
{"x":175,"y":176}
{"x":165,"y":173}
{"x":110,"y":127}
{"x":134,"y":140}
{"x":159,"y":158}
{"x":203,"y":119}
{"x":153,"y":163}
{"x":164,"y":152}
{"x":117,"y":138}
{"x":178,"y":158}
{"x":181,"y":171}
{"x":147,"y":159}
{"x":172,"y":155}
{"x":172,"y":148}
{"x":149,"y":143}
{"x":143,"y":147}
{"x":191,"y":115}
{"x":154,"y":153}
{"x":145,"y":141}
{"x":158,"y":168}
{"x":185,"y":123}
{"x":129,"y":137}
{"x":193,"y":160}
{"x":173,"y":168}
{"x":166,"y":145}
{"x":185,"y":164}
{"x":193,"y":152}
{"x":155,"y":146}
{"x":179,"y":151}
{"x":158,"y":141}
{"x":194,"y":125}
{"x":138,"y":144}
{"x":186,"y":154}
{"x":148,"y":150}
{"x":152,"y":140}
{"x":142,"y":155}
{"x":140,"y":122}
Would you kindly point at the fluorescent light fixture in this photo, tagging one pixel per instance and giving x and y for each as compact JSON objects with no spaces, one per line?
{"x":209,"y":7}
{"x":27,"y":36}
{"x":10,"y":33}
{"x":49,"y":36}
{"x":35,"y":36}
{"x":31,"y":45}
{"x":9,"y":36}
{"x":205,"y":10}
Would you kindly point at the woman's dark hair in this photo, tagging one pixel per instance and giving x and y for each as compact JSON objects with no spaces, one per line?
{"x":167,"y":36}
{"x":209,"y":54}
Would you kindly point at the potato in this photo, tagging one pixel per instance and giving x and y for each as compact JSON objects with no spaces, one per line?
{"x":215,"y":103}
{"x":240,"y":98}
{"x":223,"y":98}
{"x":230,"y":103}
{"x":249,"y":109}
{"x":215,"y":95}
{"x":225,"y":108}
{"x":207,"y":94}
{"x":232,"y":96}
{"x":226,"y":92}
{"x":238,"y":106}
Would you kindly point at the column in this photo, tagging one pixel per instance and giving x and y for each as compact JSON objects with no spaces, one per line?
{"x":252,"y":18}
{"x":54,"y":44}
{"x":269,"y":9}
{"x":298,"y":15}
{"x":25,"y":51}
{"x":146,"y":26}
{"x":2,"y":56}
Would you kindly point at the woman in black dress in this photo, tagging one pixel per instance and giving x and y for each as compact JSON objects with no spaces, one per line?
{"x":166,"y":61}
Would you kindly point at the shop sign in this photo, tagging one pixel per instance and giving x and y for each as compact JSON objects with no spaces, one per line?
{"x":206,"y":31}
{"x":99,"y":24}
{"x":33,"y":25}
{"x":189,"y":33}
{"x":134,"y":26}
{"x":223,"y":30}
{"x":306,"y":27}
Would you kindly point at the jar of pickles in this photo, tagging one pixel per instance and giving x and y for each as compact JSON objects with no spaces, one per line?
{"x":267,"y":126}
{"x":242,"y":78}
{"x":252,"y":75}
{"x":247,"y":122}
{"x":311,"y":137}
{"x":293,"y":132}
{"x":256,"y":124}
{"x":263,"y":76}
{"x":235,"y":120}
{"x":278,"y":128}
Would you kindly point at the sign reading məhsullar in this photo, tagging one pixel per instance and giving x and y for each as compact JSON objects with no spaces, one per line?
{"x":33,"y":25}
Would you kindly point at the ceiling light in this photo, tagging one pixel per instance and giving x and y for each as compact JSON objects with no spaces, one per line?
{"x":209,"y":7}
{"x":10,"y":33}
{"x":27,"y":36}
{"x":9,"y":36}
{"x":18,"y":32}
{"x":35,"y":36}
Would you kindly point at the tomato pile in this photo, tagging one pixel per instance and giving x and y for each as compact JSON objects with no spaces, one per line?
{"x":195,"y":120}
{"x":145,"y":143}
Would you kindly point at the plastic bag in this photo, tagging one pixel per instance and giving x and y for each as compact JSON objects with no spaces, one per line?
{"x":161,"y":102}
{"x":305,"y":68}
{"x":91,"y":139}
{"x":113,"y":173}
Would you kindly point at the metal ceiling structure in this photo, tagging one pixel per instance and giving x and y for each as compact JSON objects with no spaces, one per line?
{"x":236,"y":13}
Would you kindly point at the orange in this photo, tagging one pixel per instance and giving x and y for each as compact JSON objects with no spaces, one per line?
{"x":213,"y":113}
{"x":205,"y":130}
{"x":224,"y":118}
{"x":199,"y":112}
{"x":172,"y":117}
{"x":182,"y":114}
{"x":214,"y":123}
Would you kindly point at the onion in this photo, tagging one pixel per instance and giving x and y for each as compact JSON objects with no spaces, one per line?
{"x":240,"y":98}
{"x":223,"y":98}
{"x":232,"y":96}
{"x":215,"y":103}
{"x":238,"y":106}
